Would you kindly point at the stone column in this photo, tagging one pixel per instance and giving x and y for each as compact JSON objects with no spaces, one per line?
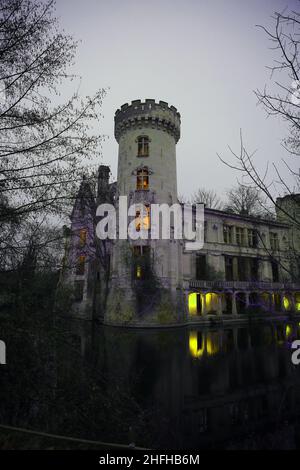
{"x":203,"y":305}
{"x":219,"y":307}
{"x":235,"y":268}
{"x":234,"y":310}
{"x":292,"y":301}
{"x":281,"y":302}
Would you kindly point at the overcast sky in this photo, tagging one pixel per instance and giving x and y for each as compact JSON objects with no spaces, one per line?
{"x":204,"y":57}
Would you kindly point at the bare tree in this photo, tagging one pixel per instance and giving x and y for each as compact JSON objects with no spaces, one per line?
{"x":208,"y":197}
{"x":246,"y":200}
{"x":44,"y":148}
{"x":284,"y":102}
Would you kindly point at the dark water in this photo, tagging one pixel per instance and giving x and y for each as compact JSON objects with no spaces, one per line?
{"x":179,"y":388}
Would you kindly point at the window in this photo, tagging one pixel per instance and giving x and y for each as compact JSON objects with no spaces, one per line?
{"x":82,"y":236}
{"x":205,"y":230}
{"x":138,"y":273}
{"x":252,"y":238}
{"x":200,"y":267}
{"x":143,"y":146}
{"x":242,"y":269}
{"x":227,"y":233}
{"x":140,"y":262}
{"x":239,"y":234}
{"x":80,"y":265}
{"x":275,"y":271}
{"x":146,"y":218}
{"x":78,"y":290}
{"x":144,"y":221}
{"x":254,"y":269}
{"x":137,"y":221}
{"x":140,"y":250}
{"x":228,"y":268}
{"x":142,"y":179}
{"x":274,"y":243}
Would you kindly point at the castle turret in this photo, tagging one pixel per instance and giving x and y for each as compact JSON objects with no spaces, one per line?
{"x":147,"y":133}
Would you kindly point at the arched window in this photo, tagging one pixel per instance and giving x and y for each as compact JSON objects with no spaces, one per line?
{"x":143,"y":146}
{"x":142,"y":218}
{"x":142,"y":179}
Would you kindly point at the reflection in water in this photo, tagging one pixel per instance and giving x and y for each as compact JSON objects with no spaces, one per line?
{"x":196,"y":343}
{"x":179,"y":387}
{"x":200,"y":343}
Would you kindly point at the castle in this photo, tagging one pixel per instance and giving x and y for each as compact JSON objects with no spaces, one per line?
{"x":246,"y":267}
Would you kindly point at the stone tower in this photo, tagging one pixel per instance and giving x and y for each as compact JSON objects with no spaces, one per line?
{"x":147,"y":134}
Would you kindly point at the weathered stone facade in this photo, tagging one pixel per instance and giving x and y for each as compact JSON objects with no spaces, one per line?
{"x":244,"y":267}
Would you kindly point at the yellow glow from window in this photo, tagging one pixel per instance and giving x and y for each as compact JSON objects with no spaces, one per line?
{"x":137,"y":221}
{"x":196,"y":349}
{"x":138,"y":272}
{"x":193,"y":303}
{"x":286,"y":303}
{"x":288,"y":330}
{"x":142,"y":218}
{"x":146,"y":219}
{"x":142,"y":181}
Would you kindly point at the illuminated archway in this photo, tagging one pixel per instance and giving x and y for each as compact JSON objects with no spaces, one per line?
{"x":211,"y":300}
{"x":286,"y":302}
{"x":194,"y":303}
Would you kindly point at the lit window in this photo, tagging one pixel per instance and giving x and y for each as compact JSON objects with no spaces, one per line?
{"x":142,"y":180}
{"x":227,"y":233}
{"x":80,"y":265}
{"x":274,"y":243}
{"x":286,"y":303}
{"x":142,"y":218}
{"x":239,"y":234}
{"x":137,"y":221}
{"x":252,"y":238}
{"x":82,"y":236}
{"x":143,"y":146}
{"x":138,"y":272}
{"x":141,"y":254}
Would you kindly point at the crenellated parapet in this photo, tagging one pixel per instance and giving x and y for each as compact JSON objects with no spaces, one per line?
{"x":140,"y":114}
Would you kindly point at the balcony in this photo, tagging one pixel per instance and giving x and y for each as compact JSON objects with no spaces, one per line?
{"x":243,"y":285}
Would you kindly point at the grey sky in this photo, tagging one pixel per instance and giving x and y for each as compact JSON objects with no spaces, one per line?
{"x":204,"y":57}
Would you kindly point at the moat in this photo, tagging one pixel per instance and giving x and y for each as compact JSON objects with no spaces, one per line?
{"x":188,"y":387}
